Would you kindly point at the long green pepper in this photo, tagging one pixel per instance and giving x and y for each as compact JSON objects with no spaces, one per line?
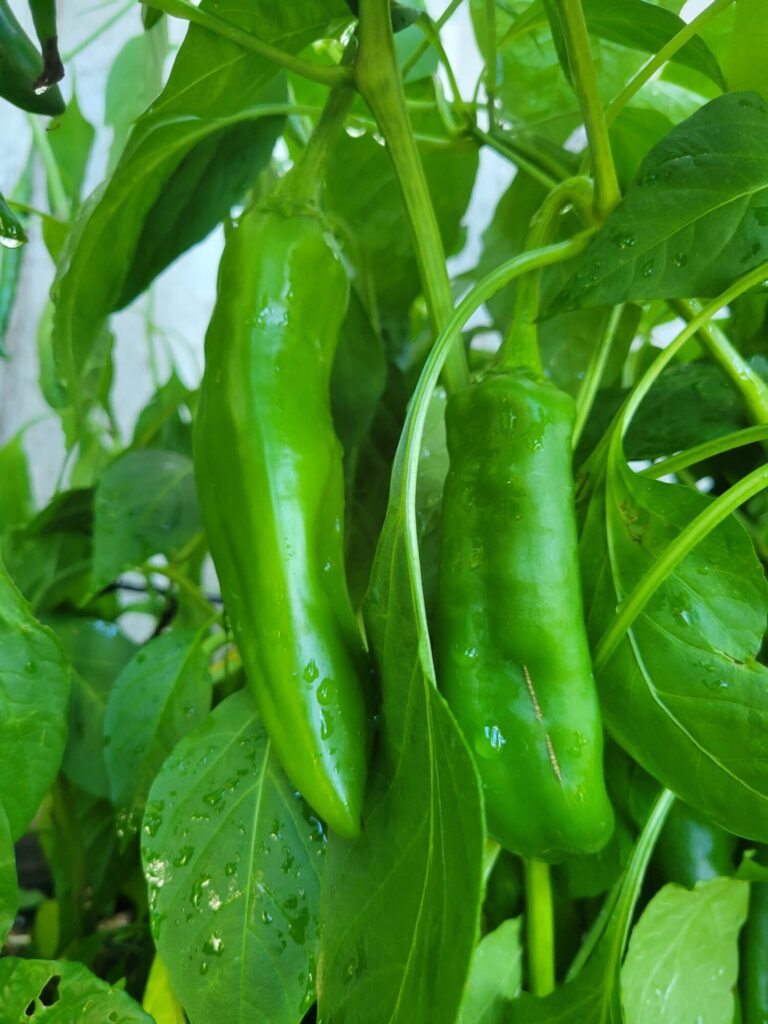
{"x":269,"y":472}
{"x":22,"y":72}
{"x":513,"y":660}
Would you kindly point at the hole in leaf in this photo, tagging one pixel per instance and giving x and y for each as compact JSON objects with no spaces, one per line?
{"x":50,"y":992}
{"x":112,"y":1016}
{"x":30,"y":1010}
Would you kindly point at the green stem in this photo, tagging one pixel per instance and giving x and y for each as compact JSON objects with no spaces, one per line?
{"x":516,"y":156}
{"x":424,"y":45}
{"x":98,"y":32}
{"x":706,"y":450}
{"x":597,"y":363}
{"x":303,"y":183}
{"x":520,"y":348}
{"x":540,"y":927}
{"x":490,"y":62}
{"x":584,"y":80}
{"x":380,"y":84}
{"x":322,"y":74}
{"x":407,"y":460}
{"x":59,"y":197}
{"x":683,"y":544}
{"x":183,"y":583}
{"x":649,"y":69}
{"x":753,"y":388}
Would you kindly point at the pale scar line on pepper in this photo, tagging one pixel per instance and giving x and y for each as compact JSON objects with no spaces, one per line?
{"x":540,"y":717}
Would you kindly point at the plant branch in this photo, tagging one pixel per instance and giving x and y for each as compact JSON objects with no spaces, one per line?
{"x":706,"y":450}
{"x":753,"y":388}
{"x":329,"y":76}
{"x":584,"y":79}
{"x":380,"y":84}
{"x":594,"y":375}
{"x":649,"y":69}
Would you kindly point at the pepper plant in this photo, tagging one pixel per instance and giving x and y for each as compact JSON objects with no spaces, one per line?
{"x":410,"y":667}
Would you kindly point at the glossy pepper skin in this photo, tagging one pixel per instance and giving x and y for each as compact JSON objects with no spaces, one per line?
{"x":269,"y":474}
{"x":691,"y":849}
{"x":21,"y":67}
{"x":513,"y":661}
{"x":753,"y":973}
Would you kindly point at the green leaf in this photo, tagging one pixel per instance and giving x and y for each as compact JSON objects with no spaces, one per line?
{"x":682,"y":693}
{"x":16,"y":492}
{"x":146,"y":504}
{"x":362,"y":192}
{"x":682,"y":961}
{"x":98,"y":651}
{"x":634,"y":132}
{"x":647,"y":27}
{"x":495,"y":975}
{"x":694,"y":220}
{"x":34,"y":695}
{"x":62,"y":991}
{"x":160,"y":423}
{"x":233,"y":857}
{"x":400,"y":904}
{"x":162,"y":694}
{"x":70,"y":138}
{"x":9,"y":886}
{"x":744,"y":63}
{"x":213,"y":88}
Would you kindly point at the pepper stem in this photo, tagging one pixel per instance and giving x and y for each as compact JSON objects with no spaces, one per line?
{"x":540,"y":927}
{"x":520,"y":348}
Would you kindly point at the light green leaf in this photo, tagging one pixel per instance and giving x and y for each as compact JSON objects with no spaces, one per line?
{"x":495,"y":975}
{"x":682,"y":961}
{"x":9,"y":885}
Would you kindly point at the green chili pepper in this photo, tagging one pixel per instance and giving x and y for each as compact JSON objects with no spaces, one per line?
{"x":269,"y":472}
{"x":753,"y":977}
{"x":513,"y":660}
{"x":691,"y":848}
{"x":21,"y":69}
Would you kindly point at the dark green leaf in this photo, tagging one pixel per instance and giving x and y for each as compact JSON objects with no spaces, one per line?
{"x":401,"y":903}
{"x":160,"y":695}
{"x":634,"y":132}
{"x":12,"y":233}
{"x":146,"y":504}
{"x":682,"y":961}
{"x":233,"y":857}
{"x":34,"y":695}
{"x":683,"y":693}
{"x":9,"y":886}
{"x":695,"y":219}
{"x":647,"y":27}
{"x":363,"y":193}
{"x":98,"y":651}
{"x":62,"y":991}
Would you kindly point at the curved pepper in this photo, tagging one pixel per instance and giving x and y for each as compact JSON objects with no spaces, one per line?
{"x":269,"y":472}
{"x":513,"y":660}
{"x":692,"y":849}
{"x":21,"y":68}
